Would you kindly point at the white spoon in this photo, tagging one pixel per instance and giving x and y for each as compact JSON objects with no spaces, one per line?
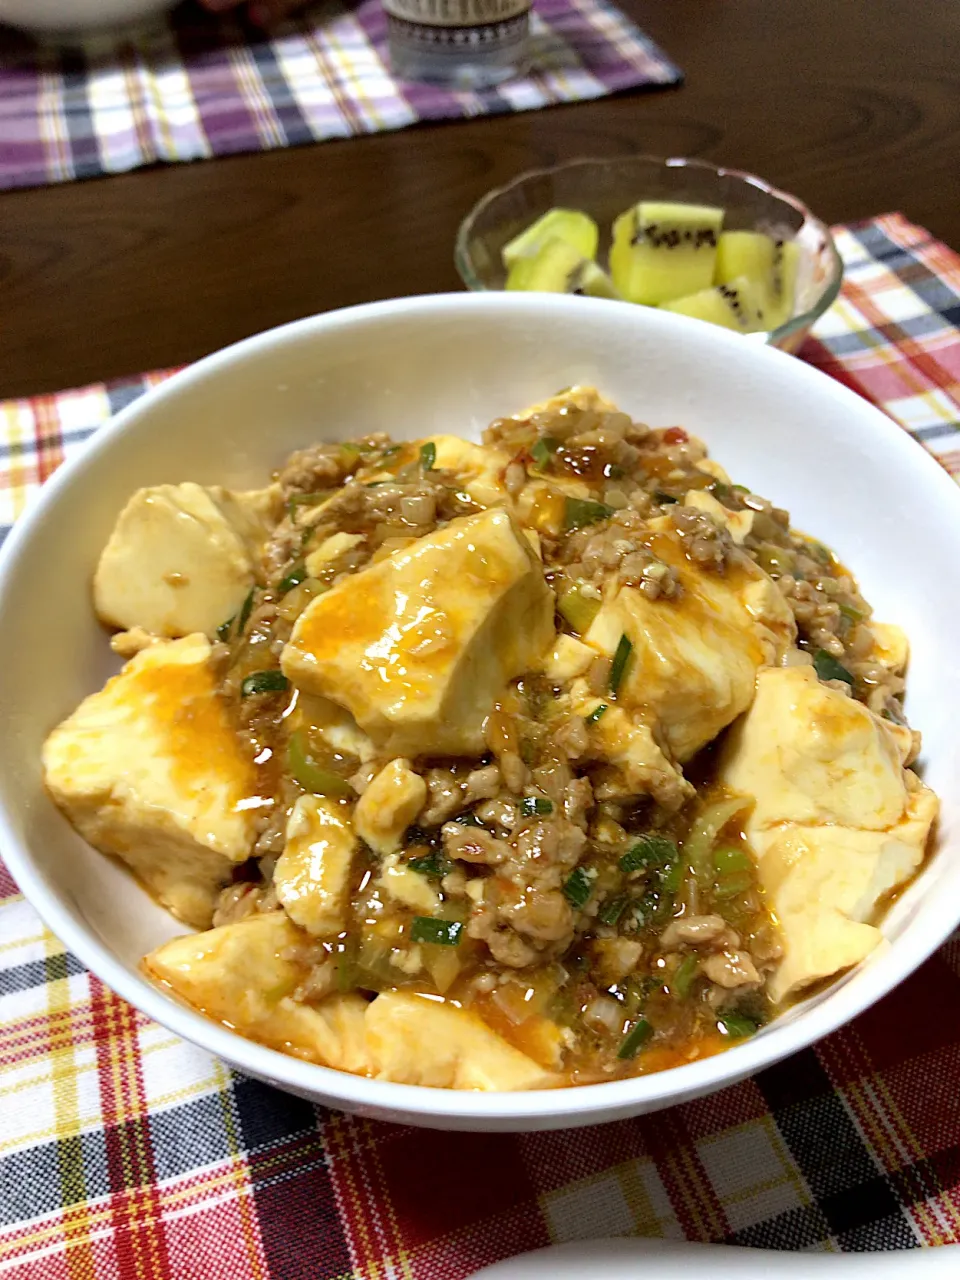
{"x":631,"y":1259}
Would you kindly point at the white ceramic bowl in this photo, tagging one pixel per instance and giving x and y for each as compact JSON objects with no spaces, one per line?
{"x":452,"y":363}
{"x":73,"y":17}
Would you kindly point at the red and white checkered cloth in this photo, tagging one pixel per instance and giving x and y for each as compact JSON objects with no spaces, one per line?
{"x":126,"y":1154}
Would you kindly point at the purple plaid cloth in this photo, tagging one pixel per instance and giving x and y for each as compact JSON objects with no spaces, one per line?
{"x":195,"y":85}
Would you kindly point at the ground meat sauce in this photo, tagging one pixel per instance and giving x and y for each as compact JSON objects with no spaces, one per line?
{"x":633,"y":922}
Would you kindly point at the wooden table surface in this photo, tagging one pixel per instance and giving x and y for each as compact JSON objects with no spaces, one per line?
{"x":854,"y":106}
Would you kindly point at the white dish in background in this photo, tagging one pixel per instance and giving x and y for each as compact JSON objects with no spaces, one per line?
{"x":453,"y":363}
{"x":73,"y":17}
{"x":666,"y":1260}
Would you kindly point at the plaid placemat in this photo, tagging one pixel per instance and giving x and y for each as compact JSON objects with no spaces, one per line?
{"x":126,"y":1154}
{"x":195,"y":85}
{"x":894,"y":332}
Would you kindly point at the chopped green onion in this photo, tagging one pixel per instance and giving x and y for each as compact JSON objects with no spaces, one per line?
{"x":731,"y":886}
{"x":312,"y":776}
{"x":579,"y":512}
{"x":245,"y":610}
{"x":468,"y":820}
{"x":741,"y":488}
{"x":703,"y":833}
{"x":349,"y":452}
{"x":665,"y":499}
{"x":263,"y":682}
{"x":620,"y":660}
{"x":577,"y":609}
{"x":442,"y":933}
{"x":819,"y":551}
{"x":729,"y":858}
{"x":851,"y":614}
{"x":649,"y":851}
{"x":374,"y":970}
{"x":828,"y":668}
{"x":777,"y":561}
{"x":535,"y":806}
{"x":432,"y":865}
{"x":597,"y":713}
{"x":720,"y":490}
{"x":635,"y":1039}
{"x":293,"y":579}
{"x":391,"y":451}
{"x":428,"y":455}
{"x":346,"y":965}
{"x":736,"y":1026}
{"x":682,"y":980}
{"x":299,"y":500}
{"x":635,"y":991}
{"x":611,"y":911}
{"x":649,"y":910}
{"x":223,"y":631}
{"x":577,"y":888}
{"x":671,"y":876}
{"x":542,"y":451}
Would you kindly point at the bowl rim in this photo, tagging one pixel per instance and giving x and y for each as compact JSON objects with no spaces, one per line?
{"x":464,"y":263}
{"x":81,"y":25}
{"x":418,"y":1104}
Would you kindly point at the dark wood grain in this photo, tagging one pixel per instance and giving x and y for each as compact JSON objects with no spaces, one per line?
{"x":853,"y":106}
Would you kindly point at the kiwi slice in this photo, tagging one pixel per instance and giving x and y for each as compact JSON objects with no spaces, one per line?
{"x":770,"y":262}
{"x":664,"y":250}
{"x":557,"y":267}
{"x":735,"y":305}
{"x":570,"y":225}
{"x":782,"y":299}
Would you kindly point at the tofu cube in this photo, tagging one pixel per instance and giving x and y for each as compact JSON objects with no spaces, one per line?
{"x":630,"y":746}
{"x":580,"y":396}
{"x":331,"y":549}
{"x":479,"y":469}
{"x":890,"y":646}
{"x":390,"y":803}
{"x":812,"y":755}
{"x":737,"y":523}
{"x":419,"y":646}
{"x":409,"y":887}
{"x":181,"y":558}
{"x":825,"y":884}
{"x":415,"y":1040}
{"x":838,"y":823}
{"x":567,"y":659}
{"x":542,"y":504}
{"x":312,"y":875}
{"x":151,"y":770}
{"x":244,"y":974}
{"x":332,"y":725}
{"x":696,"y":654}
